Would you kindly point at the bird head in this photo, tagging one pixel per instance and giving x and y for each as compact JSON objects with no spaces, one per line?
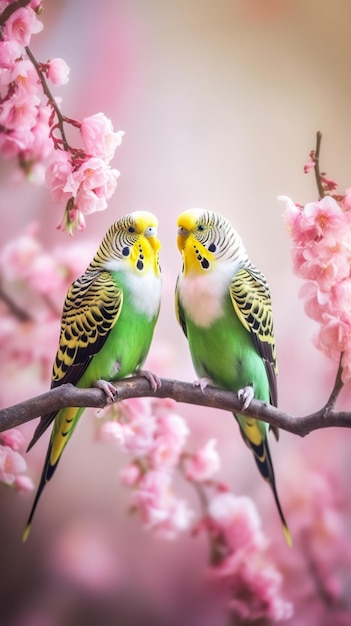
{"x":206,"y":238}
{"x":131,"y":242}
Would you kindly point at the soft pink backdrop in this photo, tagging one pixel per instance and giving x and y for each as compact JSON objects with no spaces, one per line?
{"x":220,"y":103}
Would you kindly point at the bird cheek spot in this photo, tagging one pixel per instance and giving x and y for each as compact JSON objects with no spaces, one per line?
{"x":126,"y":251}
{"x":212,"y":247}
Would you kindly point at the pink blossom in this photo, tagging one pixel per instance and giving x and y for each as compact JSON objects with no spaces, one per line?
{"x":131,"y":475}
{"x":71,"y":220}
{"x":347,"y":199}
{"x":341,"y":297}
{"x":98,"y":136}
{"x":21,"y":25}
{"x":334,"y":335}
{"x":135,"y":408}
{"x":309,"y":165}
{"x":19,"y":254}
{"x":12,"y":438}
{"x":13,"y":142}
{"x":324,"y":217}
{"x":95,"y":182}
{"x":57,"y":71}
{"x":59,"y":176}
{"x":44,"y":275}
{"x":113,"y":431}
{"x":153,"y":497}
{"x":204,"y":463}
{"x":325,"y":261}
{"x":11,"y":464}
{"x":169,"y":440}
{"x":238,"y":520}
{"x":23,"y":483}
{"x":158,"y":506}
{"x":9,"y":52}
{"x":251,"y":584}
{"x":24,"y":76}
{"x":21,"y":110}
{"x":253,"y":588}
{"x":139,"y":435}
{"x":316,"y":302}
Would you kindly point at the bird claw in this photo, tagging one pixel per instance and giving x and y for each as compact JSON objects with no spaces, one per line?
{"x":246,"y":394}
{"x":108,"y":388}
{"x":202,"y":383}
{"x":155,"y":381}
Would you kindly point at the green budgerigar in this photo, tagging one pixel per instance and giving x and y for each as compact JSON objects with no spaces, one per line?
{"x":223,"y":305}
{"x":107,"y":325}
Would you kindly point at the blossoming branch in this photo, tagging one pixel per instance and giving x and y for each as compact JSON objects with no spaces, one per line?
{"x":32,"y":126}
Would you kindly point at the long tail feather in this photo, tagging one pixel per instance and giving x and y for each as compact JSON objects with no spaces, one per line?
{"x":264,"y":463}
{"x":47,"y":474}
{"x":61,"y":433}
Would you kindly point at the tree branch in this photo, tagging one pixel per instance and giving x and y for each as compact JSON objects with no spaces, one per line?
{"x":137,"y":387}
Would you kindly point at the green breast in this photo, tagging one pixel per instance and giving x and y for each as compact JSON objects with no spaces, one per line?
{"x":125,"y":348}
{"x":225,"y":353}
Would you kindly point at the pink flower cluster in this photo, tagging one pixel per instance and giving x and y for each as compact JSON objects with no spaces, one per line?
{"x":32,"y":125}
{"x":12,"y":464}
{"x":84,"y":179}
{"x":242,"y":572}
{"x":24,"y":118}
{"x":321,"y":235}
{"x":33,"y":287}
{"x":318,"y":567}
{"x":154,"y":437}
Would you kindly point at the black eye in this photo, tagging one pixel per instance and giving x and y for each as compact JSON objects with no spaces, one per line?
{"x":131,"y":229}
{"x":200,"y":227}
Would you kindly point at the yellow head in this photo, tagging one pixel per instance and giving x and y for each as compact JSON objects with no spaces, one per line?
{"x":206,"y":238}
{"x":131,"y":241}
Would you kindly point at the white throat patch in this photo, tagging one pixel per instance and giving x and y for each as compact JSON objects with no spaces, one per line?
{"x":201,"y":295}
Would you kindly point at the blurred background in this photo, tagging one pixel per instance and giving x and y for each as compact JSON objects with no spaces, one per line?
{"x":220,"y":103}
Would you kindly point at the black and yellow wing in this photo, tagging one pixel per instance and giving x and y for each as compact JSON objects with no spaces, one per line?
{"x":92,"y":307}
{"x":251,"y":300}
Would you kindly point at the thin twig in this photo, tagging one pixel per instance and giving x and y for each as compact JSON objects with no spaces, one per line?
{"x":138,"y":387}
{"x":338,"y":385}
{"x":50,"y":97}
{"x":317,"y":172}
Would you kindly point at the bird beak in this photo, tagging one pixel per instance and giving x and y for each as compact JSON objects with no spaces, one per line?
{"x":151,"y":234}
{"x":183,"y":234}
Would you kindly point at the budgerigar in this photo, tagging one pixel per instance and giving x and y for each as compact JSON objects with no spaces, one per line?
{"x":107,"y":325}
{"x":223,"y":304}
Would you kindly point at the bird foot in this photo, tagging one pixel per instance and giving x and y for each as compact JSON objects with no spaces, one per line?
{"x":246,"y":394}
{"x":155,"y":382}
{"x":202,"y":383}
{"x":108,"y":388}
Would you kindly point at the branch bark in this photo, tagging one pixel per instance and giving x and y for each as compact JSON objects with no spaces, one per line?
{"x":137,"y":387}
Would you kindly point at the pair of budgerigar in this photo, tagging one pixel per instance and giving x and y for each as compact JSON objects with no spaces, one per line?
{"x":222,"y":303}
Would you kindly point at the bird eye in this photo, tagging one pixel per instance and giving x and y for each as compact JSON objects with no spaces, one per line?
{"x":131,"y":229}
{"x":200,"y":227}
{"x":150,"y":231}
